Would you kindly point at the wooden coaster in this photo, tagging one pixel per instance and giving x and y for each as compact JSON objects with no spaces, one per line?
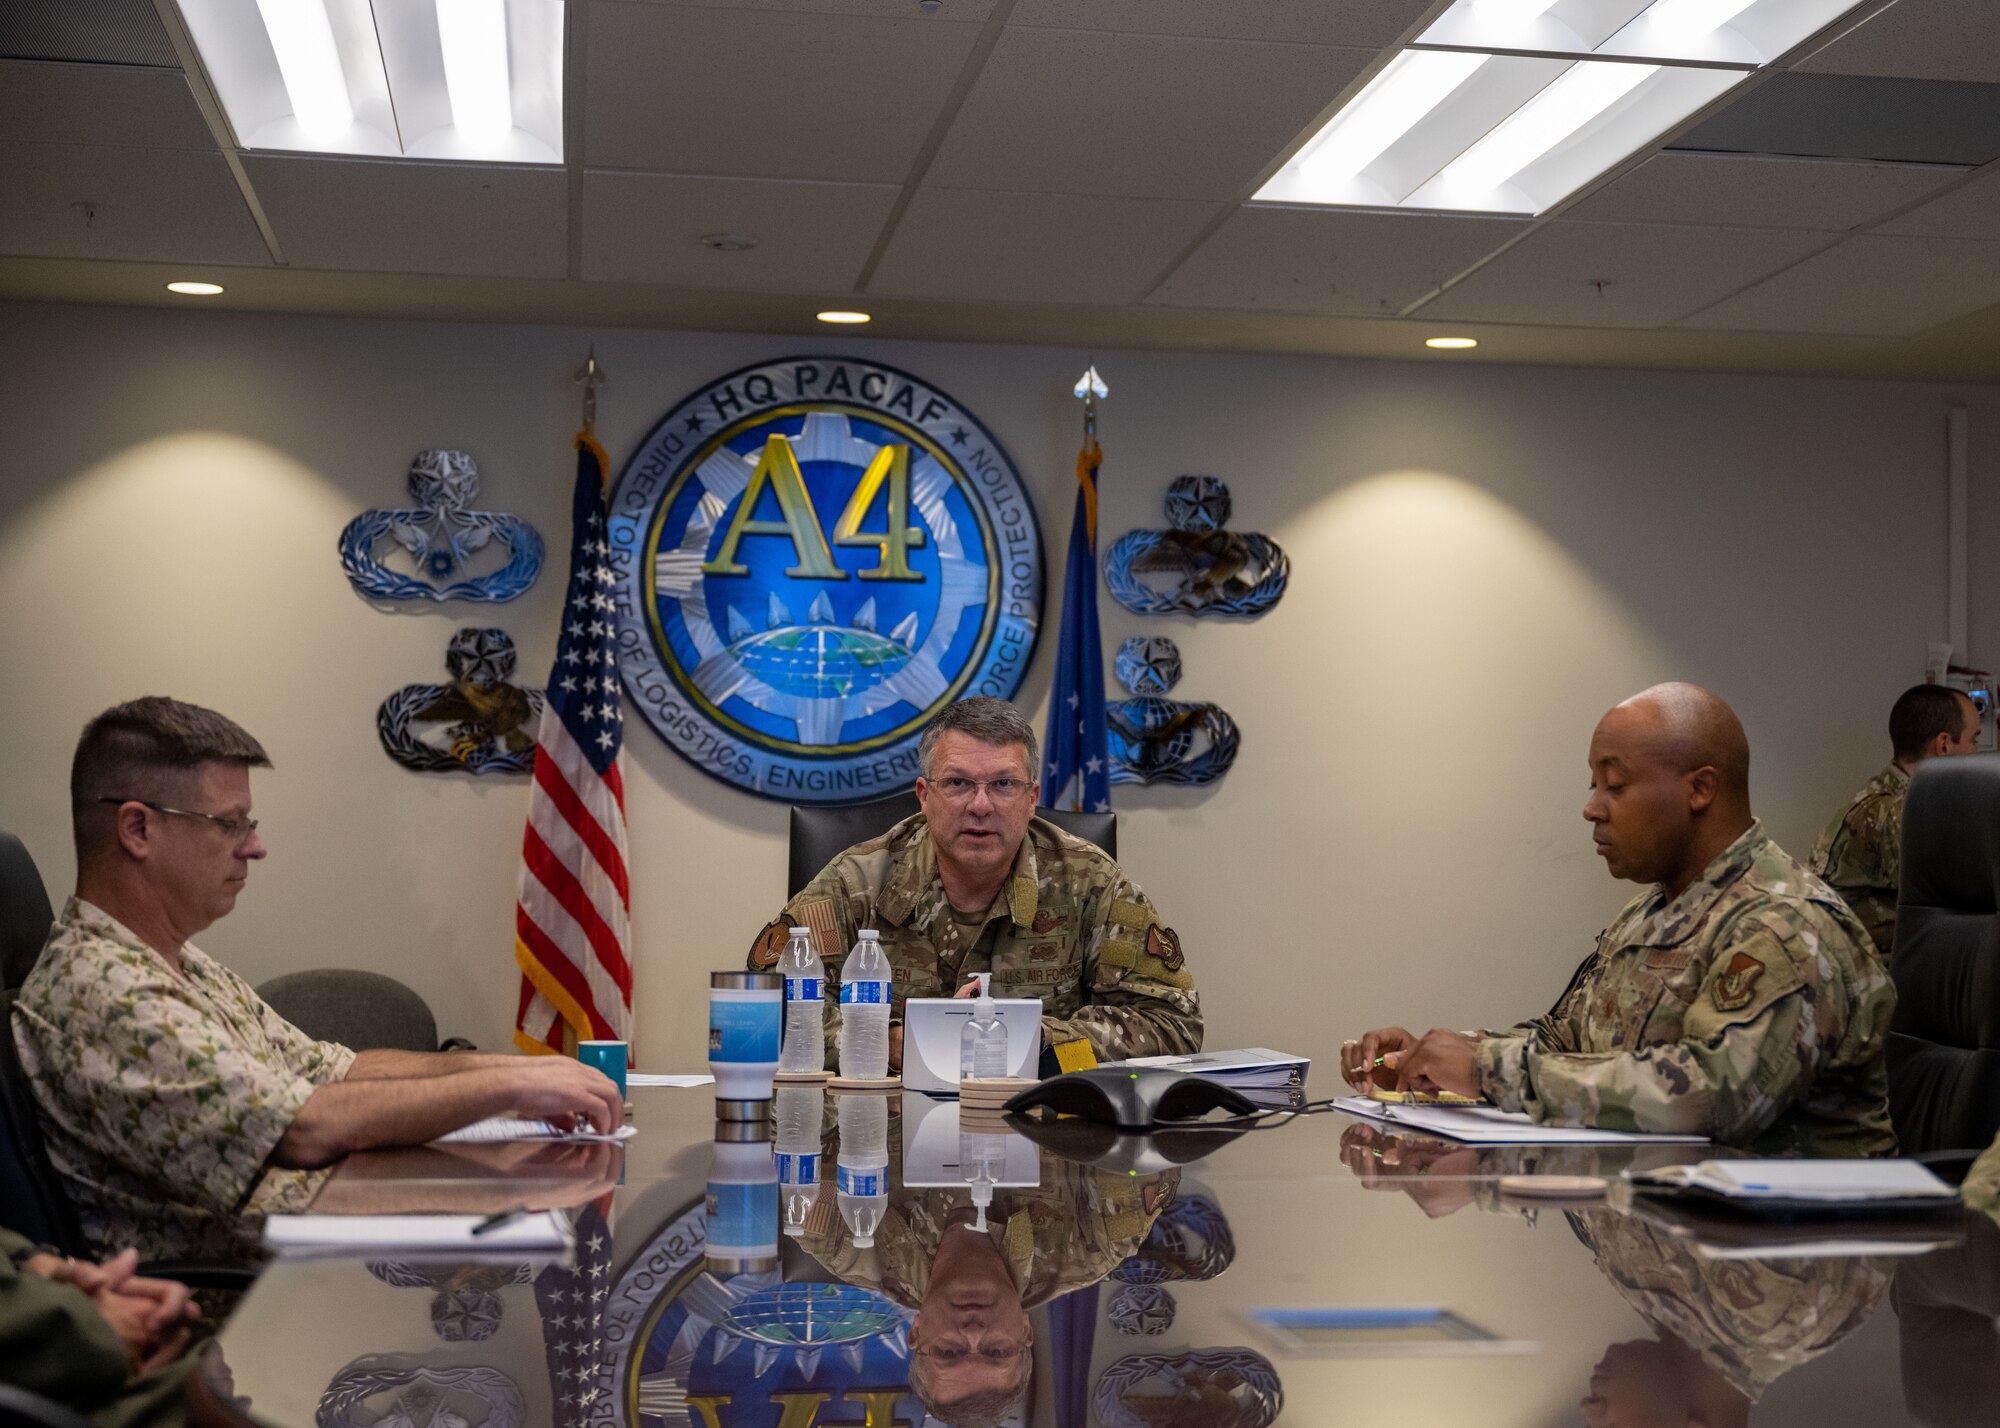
{"x":991,"y":1092}
{"x":866,"y":1083}
{"x":803,"y":1078}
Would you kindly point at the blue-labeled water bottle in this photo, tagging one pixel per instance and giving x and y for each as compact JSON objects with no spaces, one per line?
{"x":805,"y":1007}
{"x":865,"y":987}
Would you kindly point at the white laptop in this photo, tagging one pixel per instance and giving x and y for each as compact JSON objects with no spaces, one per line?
{"x":933,"y":1027}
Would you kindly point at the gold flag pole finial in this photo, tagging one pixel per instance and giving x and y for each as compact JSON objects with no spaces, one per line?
{"x":591,"y":375}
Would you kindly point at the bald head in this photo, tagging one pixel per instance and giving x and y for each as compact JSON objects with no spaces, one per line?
{"x":1669,"y":784}
{"x":1688,"y":727}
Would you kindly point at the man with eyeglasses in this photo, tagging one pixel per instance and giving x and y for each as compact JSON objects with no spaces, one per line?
{"x":178,"y":1106}
{"x":974,"y":882}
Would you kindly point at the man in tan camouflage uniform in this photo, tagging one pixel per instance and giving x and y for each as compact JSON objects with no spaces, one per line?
{"x":1861,"y":852}
{"x":1739,"y":999}
{"x":976,"y":883}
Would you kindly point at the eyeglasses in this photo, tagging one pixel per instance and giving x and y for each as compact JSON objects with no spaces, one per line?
{"x":999,"y":1355}
{"x":234,"y":828}
{"x":1000,"y":790}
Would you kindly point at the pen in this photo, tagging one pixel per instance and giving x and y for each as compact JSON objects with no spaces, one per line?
{"x":503,"y":1217}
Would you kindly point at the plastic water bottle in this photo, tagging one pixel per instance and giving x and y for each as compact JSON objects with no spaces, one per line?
{"x":982,"y":1045}
{"x":801,"y":1113}
{"x":805,"y":1006}
{"x":861,"y":1168}
{"x":864,"y":1010}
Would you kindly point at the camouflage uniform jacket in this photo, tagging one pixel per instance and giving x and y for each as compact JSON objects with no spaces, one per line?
{"x":1751,"y":1320}
{"x":1861,"y":853}
{"x":1068,"y":927}
{"x":1981,"y":1186}
{"x":162,"y":1095}
{"x":1751,"y":1009}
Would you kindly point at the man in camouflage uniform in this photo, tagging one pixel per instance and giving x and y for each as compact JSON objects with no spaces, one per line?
{"x":976,"y":883}
{"x":1738,"y":999}
{"x":1861,"y":852}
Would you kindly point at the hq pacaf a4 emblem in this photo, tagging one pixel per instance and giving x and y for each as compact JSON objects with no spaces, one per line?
{"x":816,"y":555}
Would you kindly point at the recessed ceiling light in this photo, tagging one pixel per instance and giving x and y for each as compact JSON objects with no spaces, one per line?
{"x":195,"y":289}
{"x":1451,"y":344}
{"x":847,"y":317}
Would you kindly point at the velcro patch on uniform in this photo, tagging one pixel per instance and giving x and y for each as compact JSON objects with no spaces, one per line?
{"x":1045,"y":951}
{"x":816,"y":916}
{"x":1135,"y":915}
{"x":1045,"y":922}
{"x":1164,"y":945}
{"x":770,"y":945}
{"x":1116,"y":952}
{"x":1668,"y":959}
{"x":1736,"y":985}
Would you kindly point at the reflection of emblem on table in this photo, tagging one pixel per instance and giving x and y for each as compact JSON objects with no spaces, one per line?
{"x":478,"y":723}
{"x":398,"y":1391}
{"x":466,"y":1304}
{"x":1214,"y":571}
{"x":440,"y":537}
{"x":1142,"y":1309}
{"x":1206,"y":1388}
{"x":1159,"y":740}
{"x":813,"y":557}
{"x":1190,"y":1240}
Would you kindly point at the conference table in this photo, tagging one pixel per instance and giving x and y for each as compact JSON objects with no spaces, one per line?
{"x":1327,"y":1271}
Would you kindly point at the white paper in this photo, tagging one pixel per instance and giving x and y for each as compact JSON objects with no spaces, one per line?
{"x":496,"y":1128}
{"x":1483,"y":1125}
{"x":651,"y":1078}
{"x":1835,"y":1182}
{"x":541,"y":1233}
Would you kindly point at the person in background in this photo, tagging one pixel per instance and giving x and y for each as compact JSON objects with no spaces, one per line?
{"x":177,"y":1105}
{"x":1861,"y":852}
{"x":974,"y":882}
{"x":1737,"y":998}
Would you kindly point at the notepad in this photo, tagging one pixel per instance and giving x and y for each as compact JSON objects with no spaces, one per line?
{"x":1897,"y":1183}
{"x":1483,"y":1125}
{"x":498,"y":1128}
{"x":415,"y":1236}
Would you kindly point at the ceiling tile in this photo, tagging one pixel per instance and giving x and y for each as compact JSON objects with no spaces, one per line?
{"x":1035,"y":247}
{"x":1619,"y":274}
{"x":108,"y":32}
{"x":1753,"y":192}
{"x":403,"y":217}
{"x":1142,"y":116}
{"x":1837,"y":116}
{"x":1920,"y":39}
{"x":99,"y":104}
{"x":811,"y":237}
{"x":1330,"y":261}
{"x":1972,"y":211}
{"x":1369,"y":23}
{"x":162,"y":204}
{"x":766,"y":93}
{"x":1868,"y":285}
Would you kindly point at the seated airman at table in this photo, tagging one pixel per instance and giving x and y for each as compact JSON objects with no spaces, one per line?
{"x":1737,"y":998}
{"x":974,"y":882}
{"x":179,"y":1108}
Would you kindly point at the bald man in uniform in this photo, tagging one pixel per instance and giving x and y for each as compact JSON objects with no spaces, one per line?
{"x":1738,"y":998}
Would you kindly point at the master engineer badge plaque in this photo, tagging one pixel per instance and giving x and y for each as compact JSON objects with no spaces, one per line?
{"x":815,"y":555}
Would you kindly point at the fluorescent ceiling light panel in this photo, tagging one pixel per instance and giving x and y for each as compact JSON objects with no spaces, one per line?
{"x":462,"y":80}
{"x":1724,"y":32}
{"x":1580,"y":94}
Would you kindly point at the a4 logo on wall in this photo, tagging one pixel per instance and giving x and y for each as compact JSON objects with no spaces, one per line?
{"x":813,"y":556}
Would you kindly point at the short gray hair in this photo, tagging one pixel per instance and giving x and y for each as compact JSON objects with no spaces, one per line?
{"x":146,"y":749}
{"x":990,"y":721}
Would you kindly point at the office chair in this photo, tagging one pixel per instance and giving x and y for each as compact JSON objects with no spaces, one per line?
{"x":1944,"y":1045}
{"x":820,"y":832}
{"x":361,"y":1010}
{"x":25,"y":914}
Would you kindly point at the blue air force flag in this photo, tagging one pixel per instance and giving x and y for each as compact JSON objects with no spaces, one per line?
{"x":1076,"y":771}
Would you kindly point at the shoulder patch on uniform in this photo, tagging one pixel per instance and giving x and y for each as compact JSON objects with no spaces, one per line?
{"x":770,"y":944}
{"x":1164,"y":945}
{"x":816,"y":915}
{"x":1135,"y":915}
{"x":1736,"y":985}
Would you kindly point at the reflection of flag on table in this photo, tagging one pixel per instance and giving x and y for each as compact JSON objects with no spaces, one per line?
{"x":1077,"y":759}
{"x":572,"y":1305}
{"x":573,"y":932}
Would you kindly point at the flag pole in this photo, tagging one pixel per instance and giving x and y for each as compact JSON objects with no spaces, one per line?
{"x":590,"y":376}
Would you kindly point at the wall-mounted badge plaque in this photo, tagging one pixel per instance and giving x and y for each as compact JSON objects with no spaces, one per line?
{"x":477,"y":723}
{"x":1159,"y":740}
{"x":1196,"y":567}
{"x":441,"y":536}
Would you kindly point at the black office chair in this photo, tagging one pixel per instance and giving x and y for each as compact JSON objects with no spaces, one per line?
{"x":820,"y":833}
{"x":1944,"y":1046}
{"x":25,"y":914}
{"x":361,"y":1010}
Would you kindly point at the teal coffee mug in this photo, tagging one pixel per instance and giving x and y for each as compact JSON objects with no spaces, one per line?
{"x":607,"y":1056}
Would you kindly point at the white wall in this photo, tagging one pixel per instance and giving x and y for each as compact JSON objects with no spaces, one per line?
{"x":1484,"y":558}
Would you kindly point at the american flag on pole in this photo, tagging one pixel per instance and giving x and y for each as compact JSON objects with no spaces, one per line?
{"x":1076,"y":755}
{"x":572,"y":1306}
{"x":572,"y":927}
